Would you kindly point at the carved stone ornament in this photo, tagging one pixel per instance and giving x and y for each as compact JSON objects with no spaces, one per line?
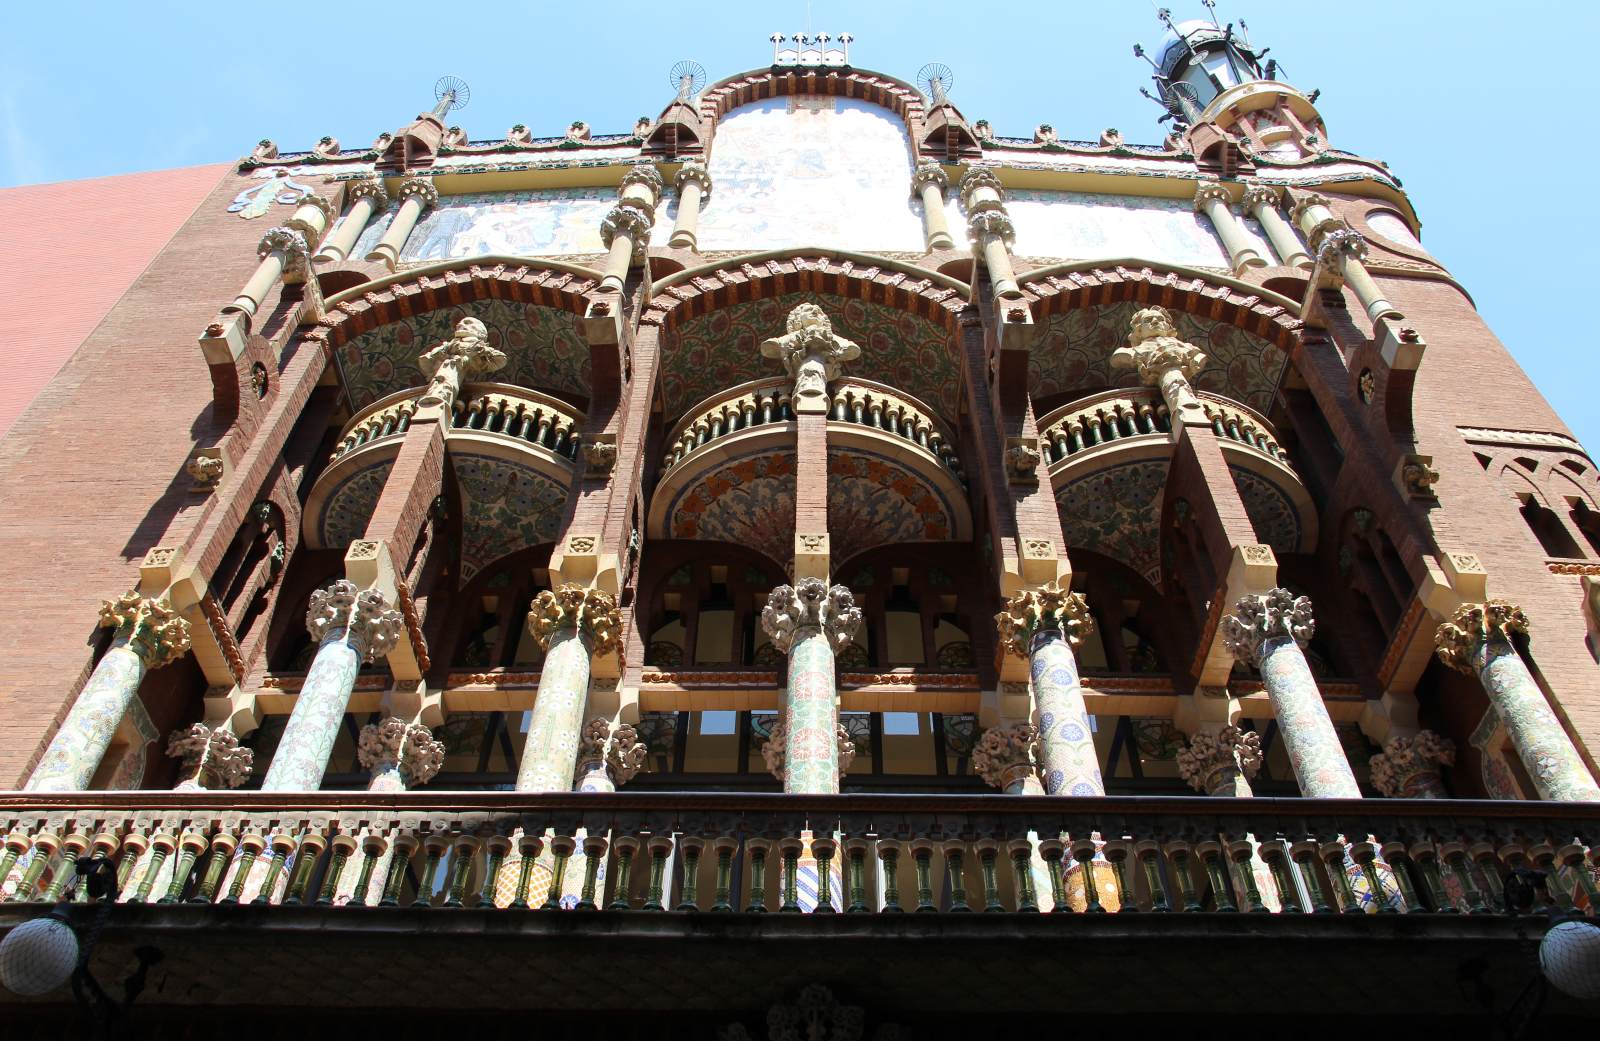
{"x":1406,"y":761}
{"x":811,"y":604}
{"x":631,"y":222}
{"x":152,"y":628}
{"x":1458,"y":641}
{"x":816,"y":1015}
{"x":648,"y":176}
{"x":1111,"y":137}
{"x":1208,"y":192}
{"x":696,"y":173}
{"x":369,"y":189}
{"x":394,"y":742}
{"x":1022,"y":461}
{"x":810,"y":352}
{"x":1257,"y":619}
{"x":777,"y":738}
{"x":926,"y":174}
{"x":1209,"y":754}
{"x":977,"y":178}
{"x":283,"y":240}
{"x":1160,"y":357}
{"x":212,"y":757}
{"x":578,"y":130}
{"x":620,"y":749}
{"x":373,"y":626}
{"x":1341,"y":244}
{"x":990,"y":224}
{"x":1308,"y":200}
{"x":205,"y":469}
{"x":1257,"y":196}
{"x":1034,"y":611}
{"x":601,"y":457}
{"x":465,"y":356}
{"x":1418,"y":476}
{"x":1004,"y":756}
{"x":593,"y":612}
{"x":419,"y":188}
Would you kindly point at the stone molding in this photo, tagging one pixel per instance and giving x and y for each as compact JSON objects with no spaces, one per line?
{"x":591,"y":611}
{"x":1257,"y":619}
{"x":373,"y":626}
{"x":1457,"y":641}
{"x":152,"y":628}
{"x":1033,"y":611}
{"x":811,"y":604}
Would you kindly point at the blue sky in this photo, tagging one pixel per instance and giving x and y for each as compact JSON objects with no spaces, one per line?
{"x":1482,"y":108}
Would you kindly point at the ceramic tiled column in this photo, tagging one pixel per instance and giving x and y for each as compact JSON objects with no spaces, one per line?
{"x":608,"y":758}
{"x":1478,"y":640}
{"x":367,"y":200}
{"x":1222,"y":762}
{"x":212,"y":758}
{"x":572,"y":624}
{"x":149,"y":634}
{"x":1044,"y":625}
{"x":811,"y":621}
{"x":1408,"y":768}
{"x":1269,"y":631}
{"x":350,"y":625}
{"x":398,"y":754}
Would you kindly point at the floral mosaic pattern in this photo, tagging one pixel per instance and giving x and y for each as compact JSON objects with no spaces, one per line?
{"x":811,"y":749}
{"x":504,"y":508}
{"x":1067,"y":756}
{"x":749,"y":502}
{"x":302,"y":754}
{"x":723,"y":348}
{"x":349,"y":506}
{"x":1552,"y":762}
{"x":1117,"y":513}
{"x":534,"y":223}
{"x":1271,"y":513}
{"x":70,"y":761}
{"x":1074,"y":355}
{"x":550,"y":753}
{"x":1091,"y":226}
{"x":1308,"y":735}
{"x":543,"y":348}
{"x":873,"y":502}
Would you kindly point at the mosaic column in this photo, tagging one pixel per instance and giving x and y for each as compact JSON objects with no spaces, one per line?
{"x":350,"y":625}
{"x":811,"y":622}
{"x":608,"y":758}
{"x":1261,"y":202}
{"x":1478,"y":640}
{"x":572,"y":624}
{"x":1270,"y":631}
{"x":626,"y":229}
{"x":1222,"y":762}
{"x":367,"y":199}
{"x":465,"y":356}
{"x":149,"y":634}
{"x":773,"y":751}
{"x":212,"y":758}
{"x":1408,"y":768}
{"x":694,"y":185}
{"x":398,"y":754}
{"x":1044,"y":625}
{"x":1005,"y":758}
{"x":283,"y":251}
{"x":928,"y":184}
{"x":1213,"y":200}
{"x":1165,"y":361}
{"x":416,"y":195}
{"x":989,"y":229}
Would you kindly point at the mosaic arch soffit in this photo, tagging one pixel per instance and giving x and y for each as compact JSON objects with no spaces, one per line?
{"x":543,"y":345}
{"x":722,"y":348}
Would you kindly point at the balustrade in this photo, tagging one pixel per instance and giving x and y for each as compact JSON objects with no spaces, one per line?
{"x":490,"y":408}
{"x":1140,"y":412}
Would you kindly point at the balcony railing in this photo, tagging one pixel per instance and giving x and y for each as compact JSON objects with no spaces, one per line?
{"x":1117,"y":415}
{"x":885,"y":854}
{"x":492,"y":408}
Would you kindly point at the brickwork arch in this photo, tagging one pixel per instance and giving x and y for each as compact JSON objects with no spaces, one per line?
{"x":895,"y":95}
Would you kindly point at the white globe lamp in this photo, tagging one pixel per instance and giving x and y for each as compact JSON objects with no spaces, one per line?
{"x":1569,"y":956}
{"x":38,"y":956}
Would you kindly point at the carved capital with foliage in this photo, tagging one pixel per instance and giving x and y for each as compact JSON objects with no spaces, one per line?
{"x":373,"y":627}
{"x":1260,"y":619}
{"x":1005,"y":756}
{"x":1211,"y":758}
{"x":593,"y":612}
{"x":1409,"y":765}
{"x":619,"y":749}
{"x":212,"y":757}
{"x":1459,"y":642}
{"x":1033,"y":611}
{"x":811,"y":604}
{"x":393,"y":742}
{"x":152,"y":628}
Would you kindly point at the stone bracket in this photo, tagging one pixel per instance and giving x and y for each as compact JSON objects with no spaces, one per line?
{"x":224,"y":341}
{"x":580,"y":559}
{"x":1401,"y":348}
{"x":602,"y":319}
{"x":812,"y":553}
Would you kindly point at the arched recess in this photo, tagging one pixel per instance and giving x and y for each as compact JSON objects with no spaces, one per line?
{"x":739,"y":90}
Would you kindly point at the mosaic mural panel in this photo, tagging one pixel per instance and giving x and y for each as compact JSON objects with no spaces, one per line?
{"x":520,"y":224}
{"x":504,"y":508}
{"x":1091,"y":226}
{"x":544,"y":349}
{"x":1074,"y":355}
{"x":873,"y":501}
{"x":349,"y":507}
{"x":1117,"y":513}
{"x":818,"y":171}
{"x":749,"y":502}
{"x":723,"y":348}
{"x":1274,"y":517}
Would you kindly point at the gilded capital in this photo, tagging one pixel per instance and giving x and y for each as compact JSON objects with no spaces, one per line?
{"x":811,"y":604}
{"x":1047,"y":608}
{"x":1410,"y":765}
{"x":1460,"y":641}
{"x":619,"y":749}
{"x":1005,"y":756}
{"x":1212,"y":758}
{"x":465,"y":356}
{"x":986,"y":224}
{"x":1260,"y":619}
{"x":393,"y":743}
{"x":421,"y":189}
{"x":371,"y":188}
{"x":810,"y":351}
{"x":151,"y":628}
{"x":592,"y":612}
{"x":363,"y":616}
{"x":212,"y":757}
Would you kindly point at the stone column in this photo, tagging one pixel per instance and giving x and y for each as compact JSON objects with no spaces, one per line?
{"x":811,"y":622}
{"x":572,"y":624}
{"x":1261,"y":202}
{"x":626,"y":229}
{"x":1222,"y":762}
{"x":608,"y":758}
{"x":399,"y":755}
{"x":1269,"y":631}
{"x":1478,"y":640}
{"x":1044,"y":625}
{"x":465,"y":356}
{"x":1006,"y":758}
{"x":416,"y":195}
{"x":1408,"y":768}
{"x":350,"y":625}
{"x":149,"y":634}
{"x":311,"y":218}
{"x":1164,"y":361}
{"x":811,"y":354}
{"x":989,"y":229}
{"x":283,"y":253}
{"x":212,"y":758}
{"x":1213,"y":200}
{"x":1345,"y":251}
{"x":694,"y":186}
{"x":928,"y":183}
{"x":367,"y":200}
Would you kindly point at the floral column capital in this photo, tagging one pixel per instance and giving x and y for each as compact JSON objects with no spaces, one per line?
{"x":620,"y":750}
{"x":466,"y":355}
{"x":1257,"y":194}
{"x":420,"y":189}
{"x":1408,"y":765}
{"x":1210,"y":755}
{"x":811,"y":604}
{"x":592,"y":612}
{"x":1258,"y":619}
{"x":393,"y":742}
{"x":1033,"y":611}
{"x":1005,"y":756}
{"x":1459,"y":640}
{"x":811,"y":353}
{"x":373,"y":189}
{"x":152,"y":627}
{"x":373,"y":626}
{"x":929,"y":173}
{"x":632,"y":222}
{"x":778,"y":739}
{"x":695,"y":172}
{"x":212,"y":757}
